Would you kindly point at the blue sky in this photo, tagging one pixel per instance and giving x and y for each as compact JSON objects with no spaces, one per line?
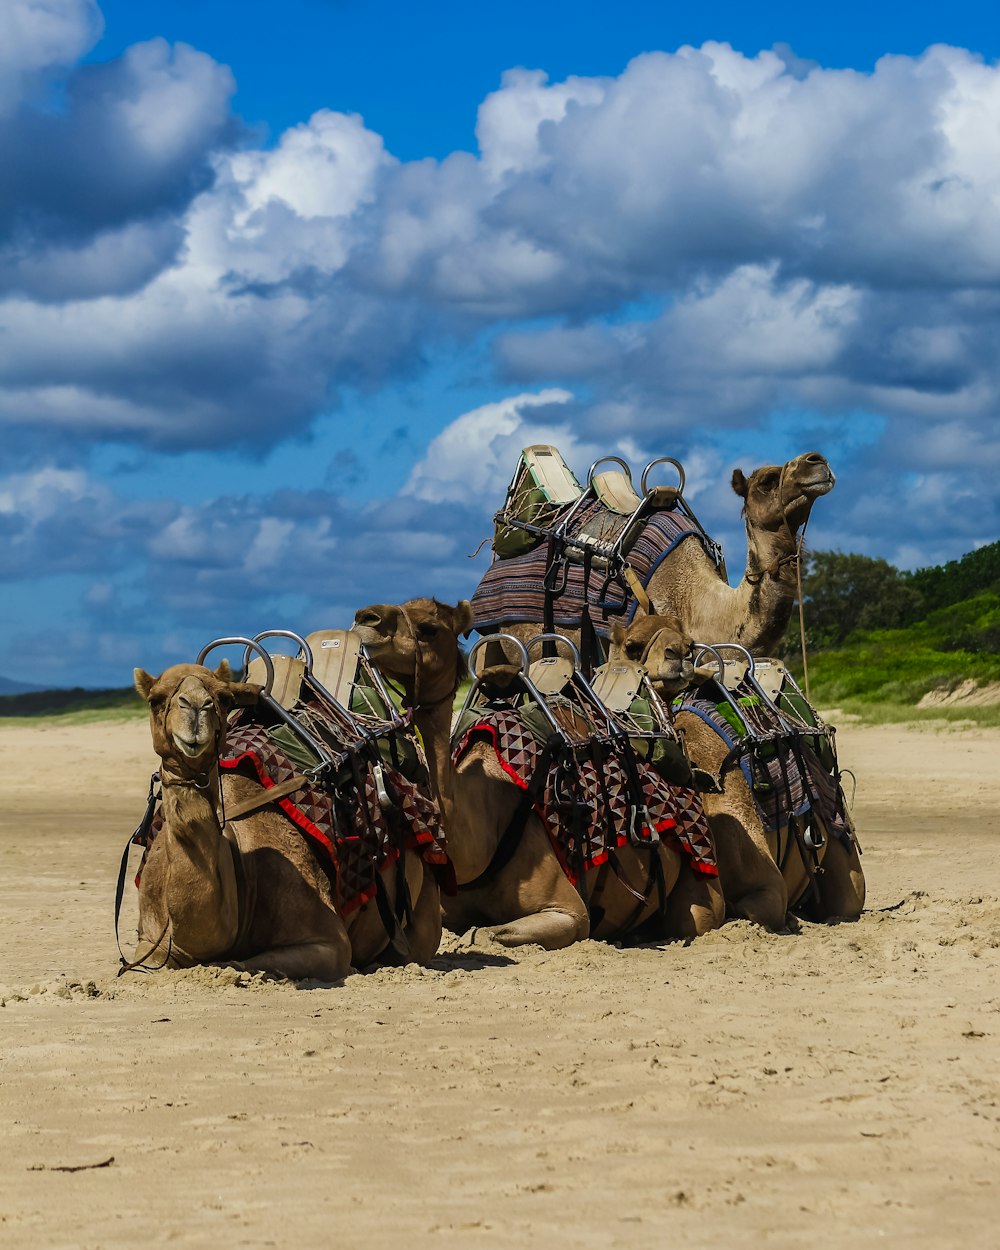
{"x":284,"y":289}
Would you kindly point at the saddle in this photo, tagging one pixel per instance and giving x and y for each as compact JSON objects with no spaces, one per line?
{"x":341,"y":763}
{"x":584,"y":756}
{"x":578,"y":557}
{"x":786,"y":752}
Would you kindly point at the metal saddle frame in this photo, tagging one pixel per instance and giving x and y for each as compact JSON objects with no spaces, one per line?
{"x":567,"y":543}
{"x":601,"y":716}
{"x":330,"y":731}
{"x":769,"y":718}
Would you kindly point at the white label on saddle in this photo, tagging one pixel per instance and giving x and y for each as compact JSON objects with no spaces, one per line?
{"x":331,"y":642}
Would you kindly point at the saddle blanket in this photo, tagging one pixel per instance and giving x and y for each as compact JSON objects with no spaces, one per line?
{"x":585,"y":811}
{"x":790,"y":782}
{"x":350,"y":834}
{"x":512,"y":592}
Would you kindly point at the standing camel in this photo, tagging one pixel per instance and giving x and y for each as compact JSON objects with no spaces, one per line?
{"x":527,"y":898}
{"x":755,"y":885}
{"x":247,"y":891}
{"x":687,"y":583}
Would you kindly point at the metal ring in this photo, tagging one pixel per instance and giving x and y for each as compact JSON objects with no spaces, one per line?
{"x":663,"y":460}
{"x":605,"y":460}
{"x":731,"y":646}
{"x":249,"y":644}
{"x":706,"y":648}
{"x":515,"y":642}
{"x":307,"y":655}
{"x":575,"y":657}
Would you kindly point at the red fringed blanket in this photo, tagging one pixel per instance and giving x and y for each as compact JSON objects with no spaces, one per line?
{"x":586,"y":810}
{"x":349,"y":834}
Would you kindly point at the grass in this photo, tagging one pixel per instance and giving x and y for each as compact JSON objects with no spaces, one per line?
{"x":71,"y":707}
{"x":880,"y":675}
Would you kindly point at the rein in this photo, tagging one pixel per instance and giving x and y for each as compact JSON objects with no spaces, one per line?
{"x":414,"y":704}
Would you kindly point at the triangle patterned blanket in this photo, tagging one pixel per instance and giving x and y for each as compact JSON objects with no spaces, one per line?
{"x":586,"y":811}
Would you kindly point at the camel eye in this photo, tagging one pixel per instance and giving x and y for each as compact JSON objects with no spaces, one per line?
{"x":427,"y":630}
{"x":633,"y":650}
{"x":769,"y":481}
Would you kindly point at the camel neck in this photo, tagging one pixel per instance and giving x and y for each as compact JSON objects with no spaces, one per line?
{"x":433,"y":722}
{"x":754,"y":613}
{"x":201,"y":880}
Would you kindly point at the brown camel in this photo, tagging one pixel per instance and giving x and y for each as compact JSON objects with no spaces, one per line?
{"x":754,"y":886}
{"x":247,"y":892}
{"x":777,"y":501}
{"x":529,"y":899}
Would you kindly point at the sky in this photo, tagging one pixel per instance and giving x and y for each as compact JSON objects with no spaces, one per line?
{"x":285,"y":289}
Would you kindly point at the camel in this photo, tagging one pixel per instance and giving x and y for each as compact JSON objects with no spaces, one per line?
{"x":528,"y":898}
{"x":753,"y":885}
{"x":777,"y":501}
{"x":246,"y":892}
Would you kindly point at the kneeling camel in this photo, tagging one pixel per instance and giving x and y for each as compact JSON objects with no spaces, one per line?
{"x":247,"y":892}
{"x":754,"y":886}
{"x":529,"y":898}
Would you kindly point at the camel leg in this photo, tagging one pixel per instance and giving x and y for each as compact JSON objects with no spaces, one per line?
{"x":550,"y":927}
{"x":424,"y":934}
{"x":326,"y":959}
{"x":695,"y":905}
{"x":842,"y":882}
{"x":766,"y":906}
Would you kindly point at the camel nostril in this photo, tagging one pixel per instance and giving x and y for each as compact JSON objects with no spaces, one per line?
{"x":814,"y":457}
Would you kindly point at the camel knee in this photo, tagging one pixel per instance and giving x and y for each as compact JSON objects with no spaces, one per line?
{"x":765,"y":907}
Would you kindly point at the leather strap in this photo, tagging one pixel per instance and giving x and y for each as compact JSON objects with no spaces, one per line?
{"x":270,"y":795}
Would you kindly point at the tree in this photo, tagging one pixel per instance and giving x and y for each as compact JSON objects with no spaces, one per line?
{"x":945,"y":584}
{"x":843,"y":593}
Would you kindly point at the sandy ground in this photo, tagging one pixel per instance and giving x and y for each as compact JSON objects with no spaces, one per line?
{"x":839,"y":1087}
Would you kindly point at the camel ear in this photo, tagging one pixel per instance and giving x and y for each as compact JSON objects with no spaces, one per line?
{"x":224,"y":672}
{"x":617,"y":636}
{"x":144,"y":683}
{"x":740,"y":483}
{"x":242,"y":693}
{"x":463,"y":617}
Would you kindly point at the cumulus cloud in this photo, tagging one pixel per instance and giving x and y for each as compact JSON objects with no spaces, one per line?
{"x":42,"y":35}
{"x":812,"y":235}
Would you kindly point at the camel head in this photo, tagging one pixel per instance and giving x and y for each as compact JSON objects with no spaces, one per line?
{"x":661,"y":646}
{"x":188,"y":706}
{"x":779,"y":496}
{"x":417,"y":642}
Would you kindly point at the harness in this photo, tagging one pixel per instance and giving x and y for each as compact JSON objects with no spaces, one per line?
{"x":574,"y":761}
{"x":786,"y":754}
{"x":584,"y":564}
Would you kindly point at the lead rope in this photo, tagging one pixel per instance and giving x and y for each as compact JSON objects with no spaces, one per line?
{"x":798,"y":578}
{"x":802,"y":614}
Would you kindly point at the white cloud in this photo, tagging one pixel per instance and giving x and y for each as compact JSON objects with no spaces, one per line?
{"x":789,"y":224}
{"x":471,"y":458}
{"x":37,"y":35}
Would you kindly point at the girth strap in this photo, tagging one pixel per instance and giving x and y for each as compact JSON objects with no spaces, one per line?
{"x":270,"y":795}
{"x":510,"y":839}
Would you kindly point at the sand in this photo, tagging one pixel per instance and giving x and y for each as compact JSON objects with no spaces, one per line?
{"x":837,"y":1087}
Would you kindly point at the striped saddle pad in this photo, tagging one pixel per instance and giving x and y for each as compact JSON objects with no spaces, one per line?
{"x":512,"y":591}
{"x":787,"y":777}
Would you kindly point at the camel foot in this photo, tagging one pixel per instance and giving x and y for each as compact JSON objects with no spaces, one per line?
{"x":478,"y":938}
